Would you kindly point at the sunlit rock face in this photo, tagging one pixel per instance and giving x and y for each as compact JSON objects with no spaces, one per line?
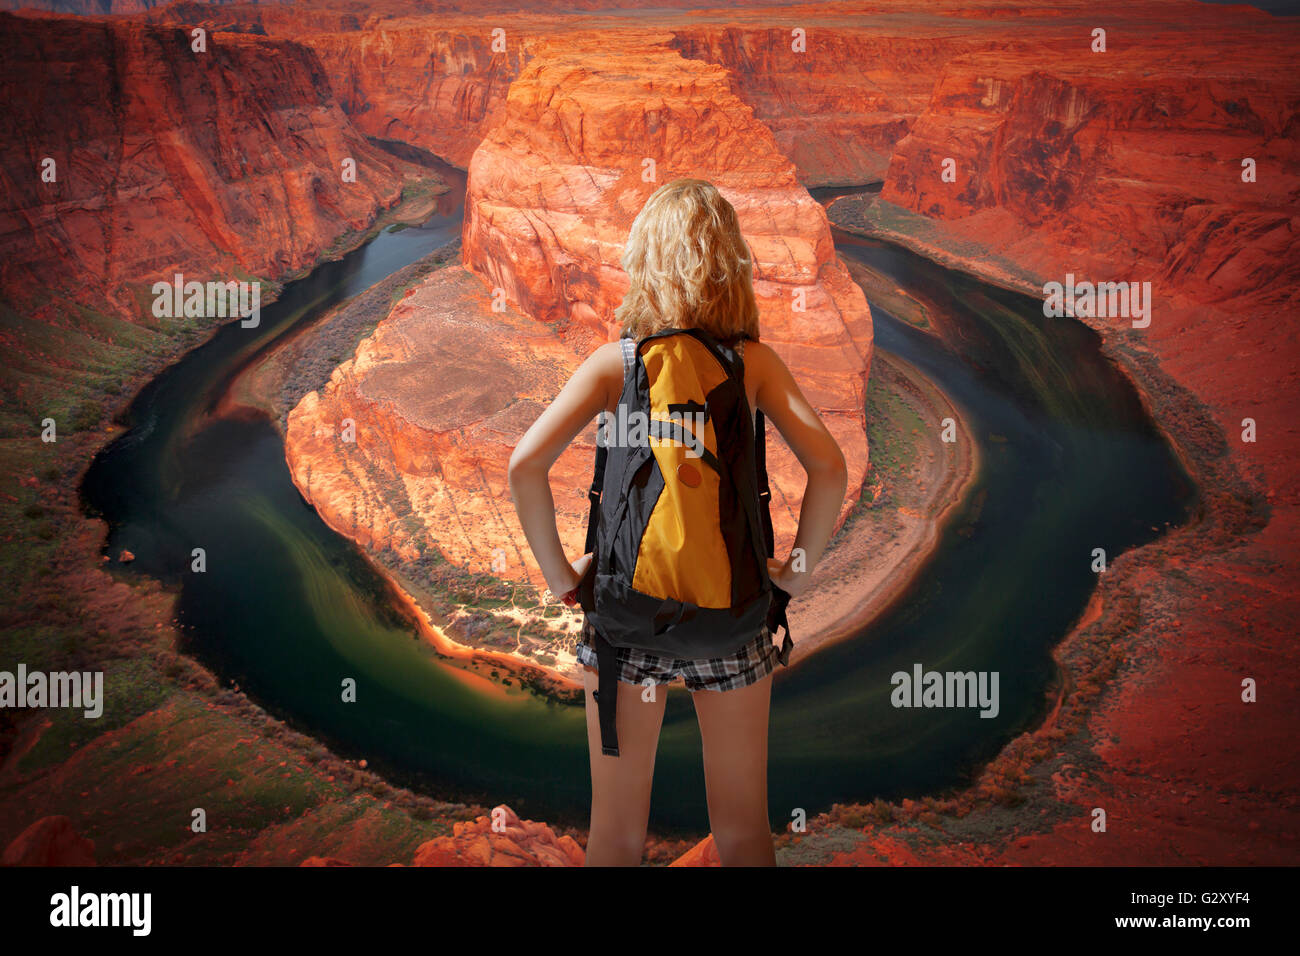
{"x":219,"y":164}
{"x":1173,"y":166}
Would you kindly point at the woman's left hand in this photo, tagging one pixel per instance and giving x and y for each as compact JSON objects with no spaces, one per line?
{"x":567,"y":590}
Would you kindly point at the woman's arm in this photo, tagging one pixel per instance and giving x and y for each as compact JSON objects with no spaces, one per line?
{"x":780,"y":400}
{"x":594,"y":387}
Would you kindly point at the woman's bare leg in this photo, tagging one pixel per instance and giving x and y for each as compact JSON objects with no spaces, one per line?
{"x":733,"y":725}
{"x":620,"y":786}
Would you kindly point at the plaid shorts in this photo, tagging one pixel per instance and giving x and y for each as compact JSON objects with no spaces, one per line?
{"x":750,"y":664}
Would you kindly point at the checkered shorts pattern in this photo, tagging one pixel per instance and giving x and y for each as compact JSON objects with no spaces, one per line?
{"x":750,"y":664}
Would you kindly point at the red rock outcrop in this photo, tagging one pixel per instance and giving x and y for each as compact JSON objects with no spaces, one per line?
{"x":704,"y":853}
{"x":553,"y":191}
{"x":438,"y":394}
{"x":50,"y":841}
{"x":501,"y":839}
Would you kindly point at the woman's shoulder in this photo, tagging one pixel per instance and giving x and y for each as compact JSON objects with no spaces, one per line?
{"x":608,"y":360}
{"x":758,"y":355}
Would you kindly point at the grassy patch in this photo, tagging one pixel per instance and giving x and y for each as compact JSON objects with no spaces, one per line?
{"x":131,"y":688}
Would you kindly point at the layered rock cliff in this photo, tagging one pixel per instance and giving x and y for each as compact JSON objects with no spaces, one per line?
{"x":837,"y":105}
{"x":166,"y":159}
{"x":1135,"y":170}
{"x":421,"y":83}
{"x":445,"y":387}
{"x":132,"y":157}
{"x":438,"y":396}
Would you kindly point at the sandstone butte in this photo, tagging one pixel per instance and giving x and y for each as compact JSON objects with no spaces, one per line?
{"x":218,"y":166}
{"x":444,"y":388}
{"x":1108,"y":164}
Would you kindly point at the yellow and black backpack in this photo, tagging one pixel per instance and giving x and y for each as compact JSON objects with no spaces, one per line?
{"x":680,"y":527}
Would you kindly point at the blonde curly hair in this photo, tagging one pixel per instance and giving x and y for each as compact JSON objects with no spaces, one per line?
{"x":689,"y":265}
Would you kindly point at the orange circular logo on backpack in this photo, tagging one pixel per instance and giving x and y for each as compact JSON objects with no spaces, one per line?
{"x":688,"y":475}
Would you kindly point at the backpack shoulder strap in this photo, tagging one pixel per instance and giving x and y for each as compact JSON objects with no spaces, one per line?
{"x":780,"y":599}
{"x":760,"y":462}
{"x":602,"y":450}
{"x":764,"y":487}
{"x":606,"y":692}
{"x":776,"y":617}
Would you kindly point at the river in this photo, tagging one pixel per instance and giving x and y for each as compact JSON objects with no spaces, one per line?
{"x":288,"y":610}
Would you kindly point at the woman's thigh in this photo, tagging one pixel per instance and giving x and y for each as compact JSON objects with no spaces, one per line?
{"x":733,"y":727}
{"x":620,"y":786}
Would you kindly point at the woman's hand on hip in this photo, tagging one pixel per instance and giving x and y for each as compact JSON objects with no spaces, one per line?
{"x":567,"y":589}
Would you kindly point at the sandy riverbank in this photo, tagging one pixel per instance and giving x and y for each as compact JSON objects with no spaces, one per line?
{"x":879,"y":552}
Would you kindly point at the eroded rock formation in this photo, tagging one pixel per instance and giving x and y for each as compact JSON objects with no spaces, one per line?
{"x":438,"y":396}
{"x":420,"y":83}
{"x":501,"y":839}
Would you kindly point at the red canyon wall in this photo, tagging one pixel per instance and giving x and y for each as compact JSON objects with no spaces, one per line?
{"x":221,"y":165}
{"x":1127,"y":166}
{"x":552,"y":193}
{"x":1131,"y":163}
{"x":1131,"y":169}
{"x":421,"y":83}
{"x":223,"y":162}
{"x":837,"y":107}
